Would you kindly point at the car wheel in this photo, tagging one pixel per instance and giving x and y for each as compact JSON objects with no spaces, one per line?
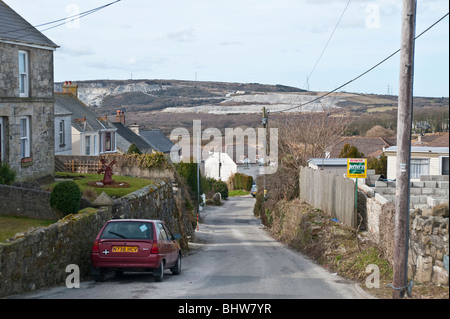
{"x":176,"y":270}
{"x":158,"y":274}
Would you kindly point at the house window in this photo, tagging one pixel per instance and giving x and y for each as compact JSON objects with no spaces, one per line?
{"x":25,"y":137}
{"x":1,"y":140}
{"x":95,"y":145}
{"x":87,"y":145}
{"x":62,"y":134}
{"x":23,"y":74}
{"x":419,"y":167}
{"x":108,"y":143}
{"x":444,"y":165}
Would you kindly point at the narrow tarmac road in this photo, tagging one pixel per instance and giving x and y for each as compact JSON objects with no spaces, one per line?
{"x":234,"y":259}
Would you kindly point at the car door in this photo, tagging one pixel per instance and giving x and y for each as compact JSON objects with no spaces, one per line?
{"x":165,"y":245}
{"x":173,"y":245}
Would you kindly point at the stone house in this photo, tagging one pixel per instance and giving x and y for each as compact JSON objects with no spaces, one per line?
{"x":26,"y":98}
{"x":90,"y":134}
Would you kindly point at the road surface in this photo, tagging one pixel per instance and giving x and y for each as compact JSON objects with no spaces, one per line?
{"x":234,"y":259}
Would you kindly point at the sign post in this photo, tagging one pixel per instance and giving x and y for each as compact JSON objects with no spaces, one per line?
{"x":356,"y":168}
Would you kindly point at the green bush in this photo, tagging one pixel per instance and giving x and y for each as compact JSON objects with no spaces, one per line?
{"x":189,"y":172}
{"x":220,"y":187}
{"x":240,"y":181}
{"x":7,"y":174}
{"x":133,"y":149}
{"x":66,"y":198}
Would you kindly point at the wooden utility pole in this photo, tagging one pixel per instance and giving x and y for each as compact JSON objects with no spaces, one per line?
{"x":264,"y":123}
{"x":404,"y":123}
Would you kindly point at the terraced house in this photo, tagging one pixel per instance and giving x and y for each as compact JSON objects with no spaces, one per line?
{"x":26,"y":97}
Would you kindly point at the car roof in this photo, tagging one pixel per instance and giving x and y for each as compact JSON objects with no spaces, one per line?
{"x":136,"y":220}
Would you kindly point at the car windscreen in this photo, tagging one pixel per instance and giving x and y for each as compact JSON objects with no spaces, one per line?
{"x":128,"y":230}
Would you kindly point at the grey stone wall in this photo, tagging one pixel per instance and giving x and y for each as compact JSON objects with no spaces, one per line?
{"x":429,"y":246}
{"x":32,"y":203}
{"x":429,"y":239}
{"x":38,"y":258}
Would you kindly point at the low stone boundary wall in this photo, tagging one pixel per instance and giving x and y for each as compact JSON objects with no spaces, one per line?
{"x":429,"y":239}
{"x":25,"y":202}
{"x":429,"y":248}
{"x":38,"y":258}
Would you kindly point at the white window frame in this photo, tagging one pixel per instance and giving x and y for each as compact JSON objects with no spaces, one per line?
{"x":418,"y":169}
{"x":2,"y":144}
{"x":62,"y":133}
{"x":25,"y":137}
{"x":24,"y":75}
{"x":113,"y":142}
{"x":87,"y":145}
{"x":95,"y":146}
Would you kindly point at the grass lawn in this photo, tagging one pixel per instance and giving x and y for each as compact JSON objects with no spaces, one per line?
{"x":10,"y":225}
{"x":82,"y":181}
{"x":238,"y":192}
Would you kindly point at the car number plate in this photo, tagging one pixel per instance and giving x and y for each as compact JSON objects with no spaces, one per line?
{"x":125,"y":249}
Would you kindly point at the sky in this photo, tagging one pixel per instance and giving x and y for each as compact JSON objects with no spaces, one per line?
{"x":246,"y":41}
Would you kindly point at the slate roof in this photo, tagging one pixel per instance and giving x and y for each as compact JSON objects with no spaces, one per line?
{"x":370,"y":146}
{"x":14,"y":28}
{"x":157,"y":140}
{"x":79,"y":111}
{"x":132,"y":137}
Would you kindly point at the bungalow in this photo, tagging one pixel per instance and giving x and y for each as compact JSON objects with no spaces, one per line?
{"x":425,"y":160}
{"x":26,"y":98}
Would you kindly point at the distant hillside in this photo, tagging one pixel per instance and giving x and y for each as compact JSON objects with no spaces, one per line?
{"x":161,"y":94}
{"x":173,"y":103}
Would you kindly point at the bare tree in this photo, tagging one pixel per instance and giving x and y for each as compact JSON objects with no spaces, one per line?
{"x":306,"y":136}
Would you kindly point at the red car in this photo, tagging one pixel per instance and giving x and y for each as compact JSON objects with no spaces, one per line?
{"x":135,"y":245}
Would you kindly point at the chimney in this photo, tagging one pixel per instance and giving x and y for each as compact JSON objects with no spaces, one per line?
{"x":120,"y":117}
{"x":68,"y":87}
{"x":135,"y":128}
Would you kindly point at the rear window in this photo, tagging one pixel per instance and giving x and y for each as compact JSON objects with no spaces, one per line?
{"x":128,"y":230}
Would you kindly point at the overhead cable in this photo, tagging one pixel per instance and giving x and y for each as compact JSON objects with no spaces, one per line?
{"x":364,"y":73}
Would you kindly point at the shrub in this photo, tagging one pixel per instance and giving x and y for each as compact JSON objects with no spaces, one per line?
{"x":156,"y":160}
{"x":66,"y":198}
{"x":7,"y":174}
{"x":240,"y":181}
{"x":133,"y":149}
{"x":189,"y":172}
{"x":220,"y":187}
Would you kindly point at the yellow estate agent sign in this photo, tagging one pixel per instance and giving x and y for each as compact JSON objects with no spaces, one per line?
{"x":356,"y":167}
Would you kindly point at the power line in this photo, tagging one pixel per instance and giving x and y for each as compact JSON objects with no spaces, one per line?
{"x":328,"y":42}
{"x":364,"y":73}
{"x":66,"y":19}
{"x":76,"y":17}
